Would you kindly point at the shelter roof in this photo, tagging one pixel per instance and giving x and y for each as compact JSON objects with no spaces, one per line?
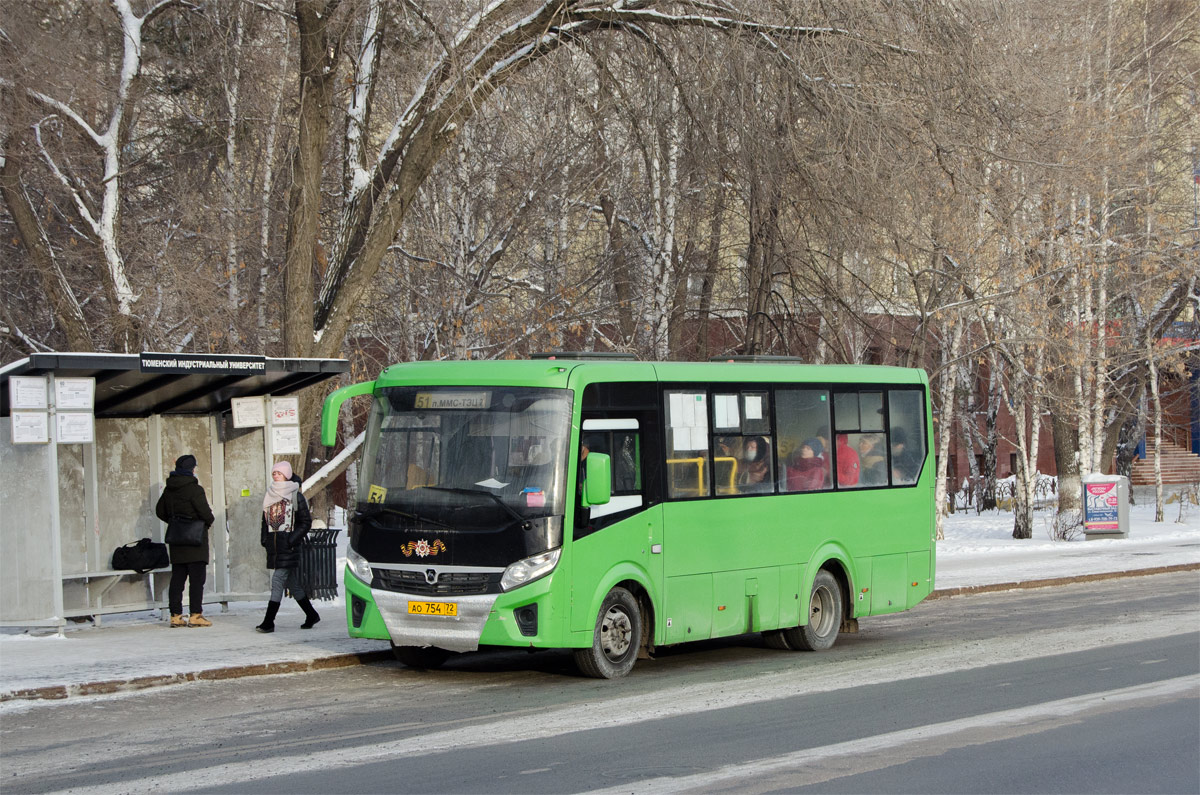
{"x":138,"y":385}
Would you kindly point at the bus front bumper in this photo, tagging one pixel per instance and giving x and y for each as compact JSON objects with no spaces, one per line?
{"x":482,"y":619}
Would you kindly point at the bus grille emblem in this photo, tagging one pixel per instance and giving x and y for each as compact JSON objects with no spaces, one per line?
{"x":431,"y":576}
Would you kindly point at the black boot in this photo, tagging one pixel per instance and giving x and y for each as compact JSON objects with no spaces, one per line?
{"x":268,"y":624}
{"x":310,"y":615}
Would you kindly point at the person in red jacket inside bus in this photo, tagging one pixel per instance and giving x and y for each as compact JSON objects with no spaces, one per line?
{"x":847,"y":462}
{"x":807,"y":470}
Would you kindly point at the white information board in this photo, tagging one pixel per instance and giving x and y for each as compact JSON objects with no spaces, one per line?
{"x":249,"y":412}
{"x":28,"y":392}
{"x":77,"y":394}
{"x":285,"y":440}
{"x":75,"y":427}
{"x":285,"y":411}
{"x":30,"y":427}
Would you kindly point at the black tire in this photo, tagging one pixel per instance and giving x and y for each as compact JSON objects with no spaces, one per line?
{"x":615,"y":640}
{"x":824,"y":616}
{"x":421,"y":658}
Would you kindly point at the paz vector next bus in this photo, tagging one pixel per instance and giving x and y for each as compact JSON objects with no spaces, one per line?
{"x":612,"y":506}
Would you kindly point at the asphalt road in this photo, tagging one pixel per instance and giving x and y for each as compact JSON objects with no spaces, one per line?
{"x":1082,"y":688}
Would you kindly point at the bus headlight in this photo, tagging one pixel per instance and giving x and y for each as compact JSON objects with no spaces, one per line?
{"x":530,"y":569}
{"x":359,"y":566}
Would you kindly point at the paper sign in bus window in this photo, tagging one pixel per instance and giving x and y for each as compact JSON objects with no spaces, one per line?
{"x":534,"y":497}
{"x":725,"y":408}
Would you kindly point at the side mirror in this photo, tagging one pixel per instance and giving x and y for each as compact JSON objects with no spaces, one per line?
{"x":597,"y":489}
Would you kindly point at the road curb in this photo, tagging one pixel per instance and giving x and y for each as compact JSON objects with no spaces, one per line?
{"x":966,"y":590}
{"x":60,"y":692}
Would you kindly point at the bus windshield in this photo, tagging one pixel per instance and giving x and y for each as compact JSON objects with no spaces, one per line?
{"x":466,"y":458}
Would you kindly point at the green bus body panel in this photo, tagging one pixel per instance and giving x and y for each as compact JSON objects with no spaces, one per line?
{"x":333,"y":406}
{"x":687,"y":615}
{"x":888,"y":592}
{"x":727,"y":565}
{"x":919,"y":581}
{"x":372,"y":625}
{"x":597,"y":565}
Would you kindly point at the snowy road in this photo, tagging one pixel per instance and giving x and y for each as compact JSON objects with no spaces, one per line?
{"x":966,"y":675}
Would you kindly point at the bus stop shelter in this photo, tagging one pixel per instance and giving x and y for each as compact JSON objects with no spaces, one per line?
{"x":86,"y":442}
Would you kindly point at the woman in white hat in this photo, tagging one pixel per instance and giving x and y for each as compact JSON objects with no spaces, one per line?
{"x":285,"y":522}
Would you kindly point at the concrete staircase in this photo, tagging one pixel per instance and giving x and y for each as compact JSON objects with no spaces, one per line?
{"x":1178,"y":466}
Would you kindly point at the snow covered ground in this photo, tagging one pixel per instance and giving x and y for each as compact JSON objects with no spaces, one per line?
{"x":978,"y":550}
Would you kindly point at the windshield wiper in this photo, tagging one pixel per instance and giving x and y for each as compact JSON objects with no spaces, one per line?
{"x":376,"y":508}
{"x":462,"y":490}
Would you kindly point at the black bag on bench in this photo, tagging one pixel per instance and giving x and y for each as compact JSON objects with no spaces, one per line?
{"x":141,"y":556}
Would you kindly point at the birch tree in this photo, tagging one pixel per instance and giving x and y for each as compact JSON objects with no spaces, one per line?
{"x":95,"y":188}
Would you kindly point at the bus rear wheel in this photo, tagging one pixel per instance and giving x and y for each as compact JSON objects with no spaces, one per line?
{"x":615,"y":640}
{"x":824,"y":616}
{"x":422,"y":658}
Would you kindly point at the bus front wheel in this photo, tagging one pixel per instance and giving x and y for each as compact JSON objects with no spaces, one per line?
{"x":824,"y":616}
{"x":616,"y":638}
{"x":422,"y":658}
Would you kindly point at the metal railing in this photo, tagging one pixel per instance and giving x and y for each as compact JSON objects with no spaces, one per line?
{"x":318,"y":563}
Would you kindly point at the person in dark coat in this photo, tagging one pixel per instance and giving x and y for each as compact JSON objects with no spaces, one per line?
{"x":906,"y":463}
{"x":183,"y":496}
{"x":286,"y":520}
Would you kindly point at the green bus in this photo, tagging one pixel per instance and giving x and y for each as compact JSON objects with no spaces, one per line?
{"x":613,"y":506}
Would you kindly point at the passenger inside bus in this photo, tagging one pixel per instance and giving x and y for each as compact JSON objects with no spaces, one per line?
{"x":872,"y":468}
{"x":807,"y":469}
{"x":905,"y":463}
{"x":847,"y":462}
{"x":754,"y":468}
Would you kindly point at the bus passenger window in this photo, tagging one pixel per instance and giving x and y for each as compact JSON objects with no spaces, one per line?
{"x":870,"y":411}
{"x":687,"y":444}
{"x":802,"y":421}
{"x":906,"y":435}
{"x":743,"y":461}
{"x":845,"y":411}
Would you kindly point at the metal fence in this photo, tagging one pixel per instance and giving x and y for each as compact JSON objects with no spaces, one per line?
{"x":971,"y":493}
{"x":318,"y":563}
